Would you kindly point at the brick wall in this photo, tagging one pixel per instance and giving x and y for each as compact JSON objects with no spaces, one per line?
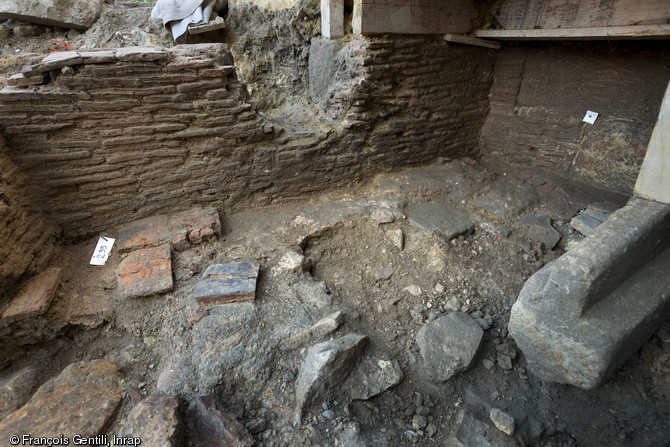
{"x":114,"y":136}
{"x":27,"y":236}
{"x":541,"y":92}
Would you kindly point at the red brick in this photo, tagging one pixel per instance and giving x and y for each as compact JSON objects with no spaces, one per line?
{"x":36,"y":296}
{"x":145,"y":272}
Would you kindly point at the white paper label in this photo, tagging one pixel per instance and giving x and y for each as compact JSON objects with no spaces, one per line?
{"x":102,"y":250}
{"x":590,"y":117}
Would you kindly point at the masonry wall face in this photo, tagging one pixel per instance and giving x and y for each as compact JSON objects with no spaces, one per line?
{"x":541,"y":92}
{"x":27,"y":235}
{"x":114,"y":137}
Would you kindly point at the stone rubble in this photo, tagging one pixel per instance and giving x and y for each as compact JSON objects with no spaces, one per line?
{"x":449,"y":344}
{"x":324,"y":368}
{"x":156,"y":420}
{"x":217,"y":427}
{"x":372,"y":377}
{"x":91,"y":393}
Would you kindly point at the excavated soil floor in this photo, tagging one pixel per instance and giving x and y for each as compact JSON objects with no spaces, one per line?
{"x":385,"y":290}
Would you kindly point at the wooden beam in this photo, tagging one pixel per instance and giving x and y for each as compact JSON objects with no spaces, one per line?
{"x":597,"y":33}
{"x":459,"y":38}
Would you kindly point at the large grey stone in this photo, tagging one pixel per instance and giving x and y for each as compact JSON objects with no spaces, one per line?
{"x":449,"y":344}
{"x":325,"y":368}
{"x":540,"y":230}
{"x":446,"y":220}
{"x":156,"y":421}
{"x":581,"y":317}
{"x":77,"y":14}
{"x":505,"y":199}
{"x":15,"y":390}
{"x":82,"y":400}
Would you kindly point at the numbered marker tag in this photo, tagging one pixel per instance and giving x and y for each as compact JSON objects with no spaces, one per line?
{"x":590,"y":117}
{"x":102,"y":250}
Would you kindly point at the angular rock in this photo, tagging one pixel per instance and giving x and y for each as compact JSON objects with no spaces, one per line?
{"x":447,"y":221}
{"x":145,"y":272}
{"x":397,"y":238}
{"x":81,"y":400}
{"x":325,"y":368}
{"x":449,"y":344}
{"x":293,"y":262}
{"x":216,"y":427}
{"x":540,"y":230}
{"x":174,"y":378}
{"x":373,"y":377}
{"x":77,"y":14}
{"x":382,"y":274}
{"x":322,"y":327}
{"x":351,"y":436}
{"x":471,"y":432}
{"x":35,"y":297}
{"x":227,"y":283}
{"x":499,"y":231}
{"x":382,"y":216}
{"x":156,"y":421}
{"x":503,"y":421}
{"x":581,"y":316}
{"x":15,"y":390}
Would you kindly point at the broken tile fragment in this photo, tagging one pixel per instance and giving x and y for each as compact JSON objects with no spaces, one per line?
{"x":36,"y":296}
{"x":585,"y":224}
{"x":200,"y":224}
{"x":54,"y":61}
{"x":21,"y":80}
{"x":143,"y":233}
{"x":145,"y":272}
{"x":227,"y":283}
{"x":141,"y":54}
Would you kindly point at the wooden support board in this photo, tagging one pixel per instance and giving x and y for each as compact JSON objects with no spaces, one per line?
{"x":413,"y":16}
{"x":553,"y":14}
{"x":458,"y":38}
{"x":596,"y":33}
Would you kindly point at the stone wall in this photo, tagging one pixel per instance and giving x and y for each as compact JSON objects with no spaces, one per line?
{"x":27,"y":235}
{"x":114,"y":136}
{"x":541,"y":92}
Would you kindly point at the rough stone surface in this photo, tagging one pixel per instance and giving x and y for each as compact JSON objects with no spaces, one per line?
{"x":15,"y":390}
{"x":351,"y":436}
{"x":581,"y":316}
{"x":449,"y":344}
{"x":397,"y":238}
{"x":27,"y":235}
{"x":540,"y":230}
{"x":77,"y":14}
{"x":217,"y":427}
{"x":145,"y":272}
{"x":447,"y":221}
{"x":81,"y":400}
{"x":36,"y":296}
{"x":156,"y":420}
{"x":503,"y":421}
{"x":471,"y":432}
{"x":227,"y":283}
{"x":372,"y":377}
{"x":504,"y":199}
{"x":325,"y":368}
{"x":322,"y":327}
{"x":293,"y":261}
